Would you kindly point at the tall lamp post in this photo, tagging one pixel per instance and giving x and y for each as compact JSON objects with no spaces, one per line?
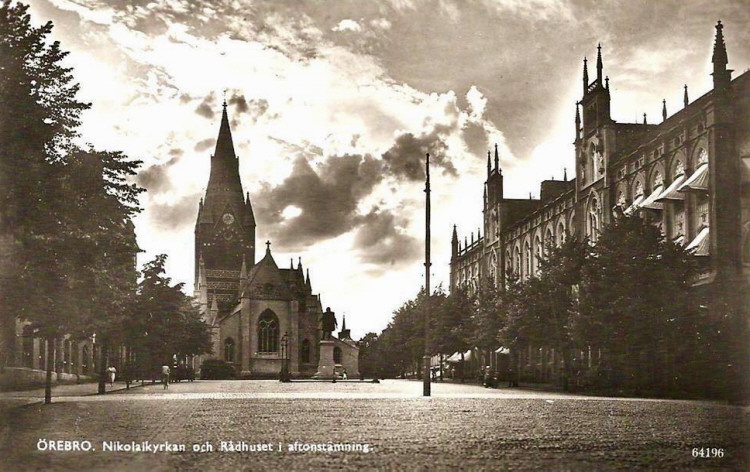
{"x":284,"y":374}
{"x":426,"y":376}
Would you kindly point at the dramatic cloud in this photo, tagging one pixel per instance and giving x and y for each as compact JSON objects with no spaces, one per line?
{"x":382,"y":240}
{"x":174,"y":216}
{"x":406,"y":157}
{"x":205,"y":144}
{"x":347,"y":25}
{"x":155,"y":179}
{"x":326,"y":199}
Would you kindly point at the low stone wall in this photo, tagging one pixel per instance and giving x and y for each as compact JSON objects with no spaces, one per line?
{"x":19,"y":378}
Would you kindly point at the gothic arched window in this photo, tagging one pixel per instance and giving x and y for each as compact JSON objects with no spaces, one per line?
{"x":337,"y":355}
{"x":268,"y":332}
{"x":304,"y":352}
{"x":538,"y":250}
{"x":560,"y":234}
{"x":229,"y":350}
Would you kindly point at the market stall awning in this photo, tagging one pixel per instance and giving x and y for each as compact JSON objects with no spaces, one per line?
{"x":650,"y":201}
{"x":697,"y":182}
{"x":457,"y":357}
{"x":502,"y":350}
{"x":636,"y":203}
{"x":700,"y":243}
{"x":671,"y":192}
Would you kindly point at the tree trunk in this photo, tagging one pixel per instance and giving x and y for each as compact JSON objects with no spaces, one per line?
{"x":51,"y":344}
{"x":103,"y":369}
{"x":463,"y":366}
{"x":441,"y":367}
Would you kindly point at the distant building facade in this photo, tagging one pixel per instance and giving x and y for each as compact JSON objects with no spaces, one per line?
{"x":689,"y":175}
{"x":259,"y":314}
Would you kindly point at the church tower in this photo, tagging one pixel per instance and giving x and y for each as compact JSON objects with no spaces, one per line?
{"x":225,"y":227}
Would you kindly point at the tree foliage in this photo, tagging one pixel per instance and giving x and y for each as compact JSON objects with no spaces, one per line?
{"x":164,"y":321}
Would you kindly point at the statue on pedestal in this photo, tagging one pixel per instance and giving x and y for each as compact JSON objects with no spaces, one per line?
{"x":328,"y":323}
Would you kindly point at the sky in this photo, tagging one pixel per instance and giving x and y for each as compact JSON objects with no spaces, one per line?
{"x":333,"y":105}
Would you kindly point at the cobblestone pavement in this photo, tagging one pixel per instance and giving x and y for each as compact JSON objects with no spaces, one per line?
{"x":460,"y":427}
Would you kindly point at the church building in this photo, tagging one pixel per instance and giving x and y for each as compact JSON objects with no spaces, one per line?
{"x":260,"y":315}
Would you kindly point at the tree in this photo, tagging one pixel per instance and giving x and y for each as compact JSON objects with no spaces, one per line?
{"x":165,"y":322}
{"x":453,"y":325}
{"x":65,"y":211}
{"x":636,"y":301}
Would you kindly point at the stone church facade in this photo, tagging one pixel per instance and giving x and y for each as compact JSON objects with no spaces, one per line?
{"x":689,"y":175}
{"x":259,"y":314}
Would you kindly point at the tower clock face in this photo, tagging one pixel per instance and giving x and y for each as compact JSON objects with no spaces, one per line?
{"x":228,"y":219}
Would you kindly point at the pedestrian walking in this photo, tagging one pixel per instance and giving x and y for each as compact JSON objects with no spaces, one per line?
{"x":344,"y":376}
{"x":165,"y":371}
{"x":111,"y":373}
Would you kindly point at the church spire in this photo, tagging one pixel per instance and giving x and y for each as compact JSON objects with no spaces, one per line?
{"x":685,"y":100}
{"x":585,"y":76}
{"x":497,"y":160}
{"x":488,"y":163}
{"x":599,"y":66}
{"x":722,"y":75}
{"x":664,"y":109}
{"x":578,"y":123}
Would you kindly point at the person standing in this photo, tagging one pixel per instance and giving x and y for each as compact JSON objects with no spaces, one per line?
{"x":111,"y":373}
{"x":165,"y":371}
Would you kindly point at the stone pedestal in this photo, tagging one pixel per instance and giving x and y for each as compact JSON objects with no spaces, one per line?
{"x":325,"y":364}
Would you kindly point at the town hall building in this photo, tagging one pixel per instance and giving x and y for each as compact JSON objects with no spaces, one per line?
{"x":689,"y":175}
{"x":260,"y":315}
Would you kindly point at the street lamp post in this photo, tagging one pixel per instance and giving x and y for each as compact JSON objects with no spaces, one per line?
{"x":427,"y":373}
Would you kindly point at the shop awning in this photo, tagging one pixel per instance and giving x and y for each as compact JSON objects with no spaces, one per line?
{"x":671,"y":192}
{"x":636,"y":203}
{"x":700,"y":243}
{"x":502,"y":350}
{"x":679,"y":240}
{"x":457,"y":357}
{"x":698,"y":181}
{"x":650,"y":201}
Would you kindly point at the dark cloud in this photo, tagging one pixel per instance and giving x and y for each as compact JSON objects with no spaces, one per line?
{"x":380,"y":241}
{"x":205,"y":144}
{"x":207,"y":106}
{"x":239,"y":102}
{"x":205,"y":111}
{"x":155,"y":179}
{"x":328,"y":197}
{"x":174,"y":216}
{"x":405,"y":159}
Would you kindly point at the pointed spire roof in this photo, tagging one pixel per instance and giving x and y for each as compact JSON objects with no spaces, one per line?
{"x":224,"y":191}
{"x":265,"y":280}
{"x":497,"y":159}
{"x":599,"y":65}
{"x":224,"y":143}
{"x":343,"y":322}
{"x":307,"y":280}
{"x":685,"y":100}
{"x":585,"y":75}
{"x":664,"y":109}
{"x":455,"y":234}
{"x":489,"y":167}
{"x":722,"y":75}
{"x":644,"y":119}
{"x":299,"y":264}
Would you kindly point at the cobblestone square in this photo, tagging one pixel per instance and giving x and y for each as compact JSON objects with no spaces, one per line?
{"x":460,"y":427}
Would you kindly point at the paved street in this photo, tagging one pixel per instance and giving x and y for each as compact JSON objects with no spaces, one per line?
{"x":462,"y":426}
